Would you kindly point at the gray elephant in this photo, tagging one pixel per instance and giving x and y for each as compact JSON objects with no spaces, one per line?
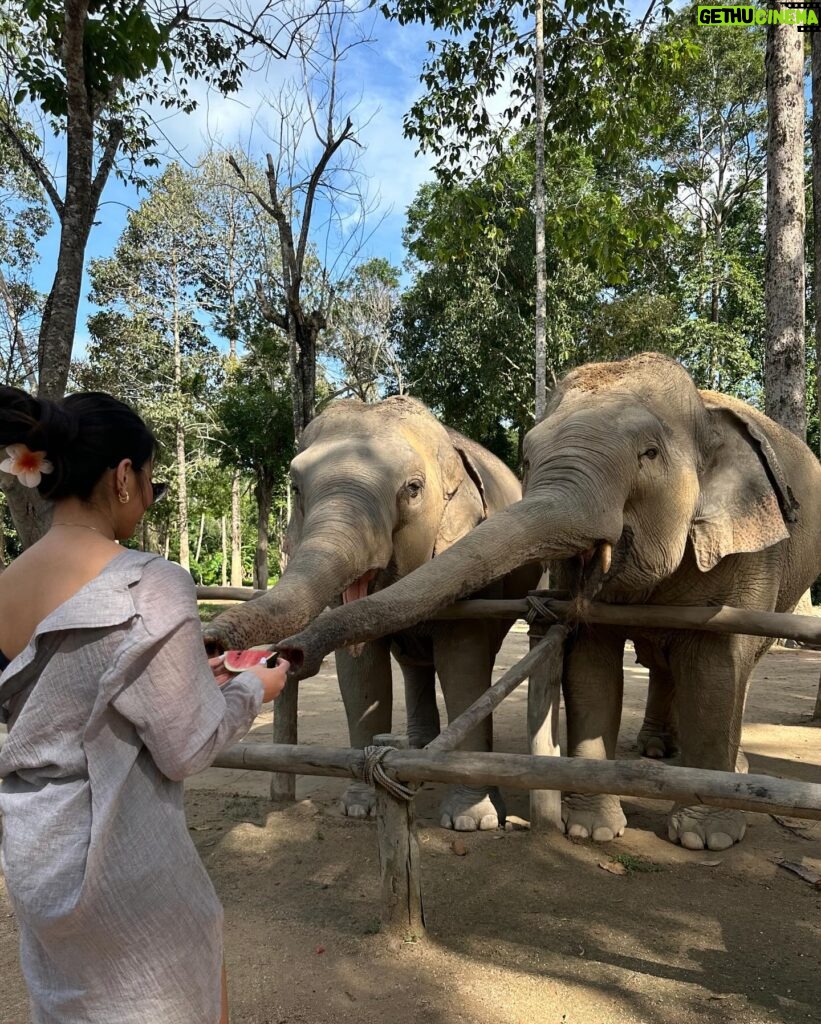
{"x":649,"y":492}
{"x":379,"y":490}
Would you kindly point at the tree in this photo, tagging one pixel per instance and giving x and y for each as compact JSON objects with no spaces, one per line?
{"x":25,"y":221}
{"x":238,"y":246}
{"x":785,"y":361}
{"x":91,"y":73}
{"x":300,"y":191}
{"x":148,"y":291}
{"x":359,"y":339}
{"x":255,"y":418}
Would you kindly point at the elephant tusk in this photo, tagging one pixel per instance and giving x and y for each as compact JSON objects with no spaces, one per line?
{"x":606,"y":556}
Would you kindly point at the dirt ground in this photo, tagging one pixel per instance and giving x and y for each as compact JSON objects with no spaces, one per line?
{"x":523,"y":929}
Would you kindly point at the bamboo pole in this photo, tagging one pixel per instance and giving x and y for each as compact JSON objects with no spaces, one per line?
{"x":403,"y":916}
{"x":458,"y":729}
{"x":543,"y":696}
{"x":719,"y":619}
{"x":227,"y":593}
{"x":641,"y":778}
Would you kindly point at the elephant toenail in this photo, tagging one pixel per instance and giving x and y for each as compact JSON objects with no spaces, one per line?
{"x":719,"y":841}
{"x":691,"y":841}
{"x":602,"y":834}
{"x":465,"y":824}
{"x":578,"y":832}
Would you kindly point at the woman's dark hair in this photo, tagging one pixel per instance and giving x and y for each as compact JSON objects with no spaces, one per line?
{"x":83,"y":435}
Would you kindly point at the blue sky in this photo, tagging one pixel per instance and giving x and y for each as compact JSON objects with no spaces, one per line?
{"x":381,"y":79}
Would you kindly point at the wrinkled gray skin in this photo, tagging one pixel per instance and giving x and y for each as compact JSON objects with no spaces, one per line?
{"x":704,"y":500}
{"x":378,"y":491}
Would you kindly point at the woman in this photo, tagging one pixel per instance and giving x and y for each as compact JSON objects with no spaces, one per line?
{"x":110,"y":702}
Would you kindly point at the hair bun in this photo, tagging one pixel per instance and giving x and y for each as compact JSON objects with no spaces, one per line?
{"x":57,"y":428}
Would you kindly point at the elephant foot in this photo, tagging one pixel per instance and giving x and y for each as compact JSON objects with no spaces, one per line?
{"x":359,"y":800}
{"x":599,"y":818}
{"x":711,"y":828}
{"x":656,"y":743}
{"x":468,"y":808}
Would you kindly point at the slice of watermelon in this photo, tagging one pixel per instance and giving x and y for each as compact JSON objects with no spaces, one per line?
{"x":239,"y":661}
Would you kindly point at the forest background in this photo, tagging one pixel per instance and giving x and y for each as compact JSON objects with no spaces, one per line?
{"x":235,"y":292}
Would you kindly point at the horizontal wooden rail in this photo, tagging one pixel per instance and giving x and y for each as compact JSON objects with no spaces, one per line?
{"x":227,"y":593}
{"x":641,"y":778}
{"x":720,"y":619}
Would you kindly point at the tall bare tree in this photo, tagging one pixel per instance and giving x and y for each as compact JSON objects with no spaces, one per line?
{"x":785,"y":357}
{"x":90,"y":72}
{"x":309,"y":172}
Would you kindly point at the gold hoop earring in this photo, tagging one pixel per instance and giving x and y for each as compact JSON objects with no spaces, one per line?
{"x":124,"y":498}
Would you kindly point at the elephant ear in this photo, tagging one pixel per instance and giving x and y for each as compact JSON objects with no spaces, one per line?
{"x":464,"y":494}
{"x":745,"y":501}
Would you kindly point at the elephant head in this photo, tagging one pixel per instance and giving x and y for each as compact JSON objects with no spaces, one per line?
{"x":630,"y":465}
{"x":378,"y":491}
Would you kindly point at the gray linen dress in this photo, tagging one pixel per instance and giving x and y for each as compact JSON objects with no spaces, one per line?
{"x":109,"y":707}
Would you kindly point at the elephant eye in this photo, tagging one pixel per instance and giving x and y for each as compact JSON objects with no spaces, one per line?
{"x":650,"y":453}
{"x":414,"y":488}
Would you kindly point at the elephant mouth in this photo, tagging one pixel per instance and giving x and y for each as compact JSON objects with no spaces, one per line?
{"x":601,"y":563}
{"x":359,"y":588}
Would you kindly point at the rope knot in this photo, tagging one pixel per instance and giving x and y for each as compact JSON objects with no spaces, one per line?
{"x":375,"y":775}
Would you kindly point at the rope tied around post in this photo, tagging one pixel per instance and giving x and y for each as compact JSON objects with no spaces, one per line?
{"x":375,"y":775}
{"x":538,"y":609}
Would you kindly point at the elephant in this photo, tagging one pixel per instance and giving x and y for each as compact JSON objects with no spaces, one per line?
{"x":379,"y":489}
{"x":643,"y":490}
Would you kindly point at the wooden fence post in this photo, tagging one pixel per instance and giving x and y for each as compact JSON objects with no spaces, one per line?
{"x":543,"y":695}
{"x":403,"y":918}
{"x":283,"y":785}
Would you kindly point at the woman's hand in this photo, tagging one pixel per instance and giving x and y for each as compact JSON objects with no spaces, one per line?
{"x":221,"y":673}
{"x":272,"y":679}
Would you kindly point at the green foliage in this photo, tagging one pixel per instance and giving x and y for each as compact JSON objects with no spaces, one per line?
{"x":593,"y":52}
{"x":134,"y":57}
{"x":358,"y":339}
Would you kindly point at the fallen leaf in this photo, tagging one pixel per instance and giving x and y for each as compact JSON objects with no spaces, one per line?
{"x":320,"y":949}
{"x":709,"y":863}
{"x":613,"y":866}
{"x":459,"y":848}
{"x":808,"y":874}
{"x":798,"y":826}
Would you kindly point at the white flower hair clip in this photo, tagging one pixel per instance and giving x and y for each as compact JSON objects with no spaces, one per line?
{"x":29,"y":467}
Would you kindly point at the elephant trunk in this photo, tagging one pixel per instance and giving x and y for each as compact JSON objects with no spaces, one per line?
{"x":537,"y":528}
{"x":317,"y":573}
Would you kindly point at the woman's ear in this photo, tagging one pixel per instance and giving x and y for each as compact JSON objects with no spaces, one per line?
{"x":745,"y":502}
{"x":464,"y":496}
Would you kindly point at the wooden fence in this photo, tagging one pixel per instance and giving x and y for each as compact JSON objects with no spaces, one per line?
{"x":543,"y":771}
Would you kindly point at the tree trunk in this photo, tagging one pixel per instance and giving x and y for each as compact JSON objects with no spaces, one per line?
{"x":784,"y":365}
{"x":199,"y":538}
{"x":538,"y":200}
{"x":182,"y":470}
{"x":264,"y":492}
{"x":29,"y":513}
{"x":236,"y":531}
{"x":182,"y":504}
{"x":224,"y":565}
{"x":816,"y":212}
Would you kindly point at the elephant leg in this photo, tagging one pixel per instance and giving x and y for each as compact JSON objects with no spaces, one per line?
{"x":658,"y":736}
{"x":464,"y":653}
{"x":367,"y":693}
{"x":420,"y":702}
{"x":711,"y":675}
{"x":593,"y":685}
